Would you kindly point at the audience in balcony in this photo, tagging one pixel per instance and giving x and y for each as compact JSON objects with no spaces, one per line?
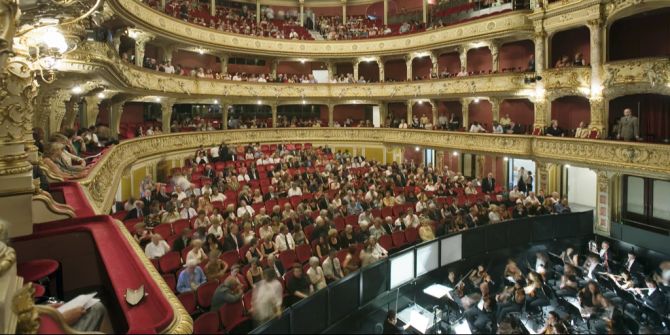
{"x":554,"y":129}
{"x":566,"y":61}
{"x":476,"y":127}
{"x":627,"y":128}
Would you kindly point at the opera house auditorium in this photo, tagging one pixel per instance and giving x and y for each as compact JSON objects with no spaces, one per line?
{"x":335,"y":166}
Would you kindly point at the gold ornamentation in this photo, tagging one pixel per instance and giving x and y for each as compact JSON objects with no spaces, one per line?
{"x":24,"y":308}
{"x":17,"y":94}
{"x":150,"y":20}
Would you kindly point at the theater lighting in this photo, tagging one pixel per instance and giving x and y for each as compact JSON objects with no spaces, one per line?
{"x":417,"y":148}
{"x":455,"y":153}
{"x":216,"y":101}
{"x":259,"y":102}
{"x":77,"y":89}
{"x":505,"y":159}
{"x":420,"y":102}
{"x":567,"y":166}
{"x":302,"y":61}
{"x":476,"y":100}
{"x":158,"y":99}
{"x":304,"y":102}
{"x":101,"y":95}
{"x":200,"y":51}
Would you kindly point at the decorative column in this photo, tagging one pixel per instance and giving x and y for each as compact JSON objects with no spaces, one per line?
{"x":383,"y":113}
{"x":258,"y":11}
{"x":433,"y":104}
{"x":302,"y":12}
{"x":607,"y":186}
{"x":224,"y":63}
{"x":141,"y":39}
{"x":71,"y":113}
{"x":434,"y":62}
{"x":355,"y":63}
{"x":386,"y":12}
{"x":540,"y":48}
{"x":273,"y":68}
{"x":408,"y":64}
{"x":494,"y":56}
{"x":212,"y":7}
{"x":410,"y":110}
{"x":331,"y":109}
{"x":425,"y":11}
{"x":17,"y":150}
{"x":597,"y":110}
{"x":92,"y":108}
{"x":274,"y":115}
{"x":542,"y":109}
{"x":495,"y":108}
{"x":166,"y":114}
{"x":51,"y":110}
{"x":225,"y":108}
{"x":380,"y":65}
{"x":331,"y":67}
{"x":115,"y":121}
{"x":168,"y":50}
{"x":344,"y":11}
{"x":463,"y":56}
{"x":465,"y":112}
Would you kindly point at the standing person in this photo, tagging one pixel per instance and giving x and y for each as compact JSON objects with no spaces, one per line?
{"x":628,"y":126}
{"x":521,"y":183}
{"x":267,"y":298}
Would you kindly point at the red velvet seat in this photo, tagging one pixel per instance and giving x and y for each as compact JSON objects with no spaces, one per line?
{"x":188,"y":300}
{"x":39,"y":291}
{"x":411,"y":235}
{"x":170,"y":280}
{"x":38,"y":269}
{"x":288,"y":258}
{"x":386,"y":242}
{"x":232,"y":316}
{"x":170,"y":262}
{"x":247,"y":299}
{"x":339,"y":223}
{"x":207,"y":323}
{"x":230,"y":257}
{"x":303,"y":252}
{"x":204,"y":294}
{"x":398,"y":239}
{"x":164,"y":230}
{"x":387,"y":211}
{"x":308,"y":230}
{"x":351,"y":219}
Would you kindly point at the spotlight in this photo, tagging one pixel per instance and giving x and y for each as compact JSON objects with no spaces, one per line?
{"x":567,"y":166}
{"x":216,"y":101}
{"x":476,"y":100}
{"x":505,"y":158}
{"x":259,"y":102}
{"x":455,"y":153}
{"x":417,"y":148}
{"x":101,"y":95}
{"x":77,"y":89}
{"x":158,"y":99}
{"x":304,"y":102}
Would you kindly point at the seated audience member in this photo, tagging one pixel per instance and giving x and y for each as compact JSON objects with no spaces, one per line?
{"x":426,"y":232}
{"x":554,"y":129}
{"x":182,"y":241}
{"x":390,"y":324}
{"x":497,"y":128}
{"x":275,"y":266}
{"x":191,"y":277}
{"x":141,"y":234}
{"x":514,"y":128}
{"x":86,"y":320}
{"x":229,"y":292}
{"x":254,"y":273}
{"x":352,"y":261}
{"x":157,"y":248}
{"x":582,"y":131}
{"x":332,"y":268}
{"x":298,"y":285}
{"x":267,"y":298}
{"x":315,"y":274}
{"x":476,"y":127}
{"x":284,"y":240}
{"x":197,"y":253}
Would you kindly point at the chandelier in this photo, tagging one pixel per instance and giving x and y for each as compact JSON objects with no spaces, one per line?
{"x":47,"y":33}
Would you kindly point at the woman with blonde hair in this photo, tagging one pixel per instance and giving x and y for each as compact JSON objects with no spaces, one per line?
{"x":197,"y":253}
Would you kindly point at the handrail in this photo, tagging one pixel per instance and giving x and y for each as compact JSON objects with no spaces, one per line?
{"x":636,"y":158}
{"x":484,"y":239}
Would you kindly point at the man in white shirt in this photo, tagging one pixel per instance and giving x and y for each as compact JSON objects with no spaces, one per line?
{"x":293,"y":35}
{"x":366,"y":217}
{"x":411,"y":220}
{"x":284,"y":240}
{"x":157,"y":248}
{"x":187,"y":212}
{"x":169,"y":68}
{"x":531,"y":199}
{"x":477,"y":128}
{"x":371,"y":194}
{"x":245,"y":209}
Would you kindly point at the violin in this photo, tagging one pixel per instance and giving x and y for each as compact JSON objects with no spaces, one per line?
{"x":459,"y":288}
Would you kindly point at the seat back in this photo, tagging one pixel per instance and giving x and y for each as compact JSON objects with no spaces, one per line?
{"x":287,"y":258}
{"x":398,"y":239}
{"x":207,"y":323}
{"x":303,"y":252}
{"x":205,"y":292}
{"x":231,"y":314}
{"x":411,"y":235}
{"x":187,"y":299}
{"x":170,"y":262}
{"x":386,"y":242}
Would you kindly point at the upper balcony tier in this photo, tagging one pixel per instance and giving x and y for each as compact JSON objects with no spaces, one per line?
{"x":503,"y":25}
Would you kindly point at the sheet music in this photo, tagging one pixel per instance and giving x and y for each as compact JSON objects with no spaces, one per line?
{"x":84,"y":300}
{"x":436,"y":290}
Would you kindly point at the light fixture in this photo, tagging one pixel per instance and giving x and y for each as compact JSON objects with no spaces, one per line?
{"x":476,"y":100}
{"x":216,"y":101}
{"x":259,"y":102}
{"x":505,"y":158}
{"x":200,"y":51}
{"x":101,"y":95}
{"x":77,"y":89}
{"x":417,"y":148}
{"x":302,"y":61}
{"x":158,"y":99}
{"x":304,"y":102}
{"x":567,"y":166}
{"x":420,"y":102}
{"x":455,"y":153}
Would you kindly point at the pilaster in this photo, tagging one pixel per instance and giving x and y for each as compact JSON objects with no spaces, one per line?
{"x":166,"y":114}
{"x":92,"y":108}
